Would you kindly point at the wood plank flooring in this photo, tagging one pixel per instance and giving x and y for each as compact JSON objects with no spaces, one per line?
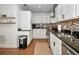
{"x":17,"y":51}
{"x":42,"y":49}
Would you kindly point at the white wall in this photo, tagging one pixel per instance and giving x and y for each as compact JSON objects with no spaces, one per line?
{"x":40,"y":17}
{"x":18,"y":15}
{"x":9,"y":30}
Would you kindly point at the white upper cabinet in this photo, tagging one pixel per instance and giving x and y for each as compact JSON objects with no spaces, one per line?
{"x":25,"y":22}
{"x":60,"y":12}
{"x":56,"y":14}
{"x":51,"y":18}
{"x":69,"y":11}
{"x":65,"y":11}
{"x":40,"y":17}
{"x":77,"y":9}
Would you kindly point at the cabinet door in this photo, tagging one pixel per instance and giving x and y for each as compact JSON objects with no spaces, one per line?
{"x":51,"y":42}
{"x":55,"y":44}
{"x":58,"y":47}
{"x":56,"y":14}
{"x":69,"y":10}
{"x":77,"y":9}
{"x":35,"y":33}
{"x":42,"y":33}
{"x":25,"y":20}
{"x":59,"y":12}
{"x":65,"y":11}
{"x":39,"y":33}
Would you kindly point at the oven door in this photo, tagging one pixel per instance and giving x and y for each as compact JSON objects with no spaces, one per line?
{"x":66,"y":50}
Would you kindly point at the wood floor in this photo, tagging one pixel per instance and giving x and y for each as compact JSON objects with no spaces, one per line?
{"x":42,"y":49}
{"x":16,"y":51}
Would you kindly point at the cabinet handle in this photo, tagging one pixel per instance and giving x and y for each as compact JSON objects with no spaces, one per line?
{"x":54,"y":43}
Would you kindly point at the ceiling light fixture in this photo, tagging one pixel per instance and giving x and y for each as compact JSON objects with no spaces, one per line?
{"x":25,"y":4}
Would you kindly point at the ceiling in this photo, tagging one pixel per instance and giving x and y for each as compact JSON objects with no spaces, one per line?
{"x":37,"y":7}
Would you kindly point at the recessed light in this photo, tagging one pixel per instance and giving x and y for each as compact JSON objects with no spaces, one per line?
{"x":39,"y":6}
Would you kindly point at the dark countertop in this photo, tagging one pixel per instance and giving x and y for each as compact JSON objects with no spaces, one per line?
{"x":69,"y":40}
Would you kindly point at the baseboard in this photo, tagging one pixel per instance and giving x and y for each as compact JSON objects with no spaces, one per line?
{"x":8,"y":46}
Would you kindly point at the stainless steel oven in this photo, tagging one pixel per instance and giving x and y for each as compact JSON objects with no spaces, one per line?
{"x":67,"y":50}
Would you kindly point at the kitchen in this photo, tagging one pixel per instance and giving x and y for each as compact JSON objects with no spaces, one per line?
{"x":52,"y":25}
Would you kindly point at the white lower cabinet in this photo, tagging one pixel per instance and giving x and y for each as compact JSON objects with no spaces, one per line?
{"x":39,"y":34}
{"x":55,"y":44}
